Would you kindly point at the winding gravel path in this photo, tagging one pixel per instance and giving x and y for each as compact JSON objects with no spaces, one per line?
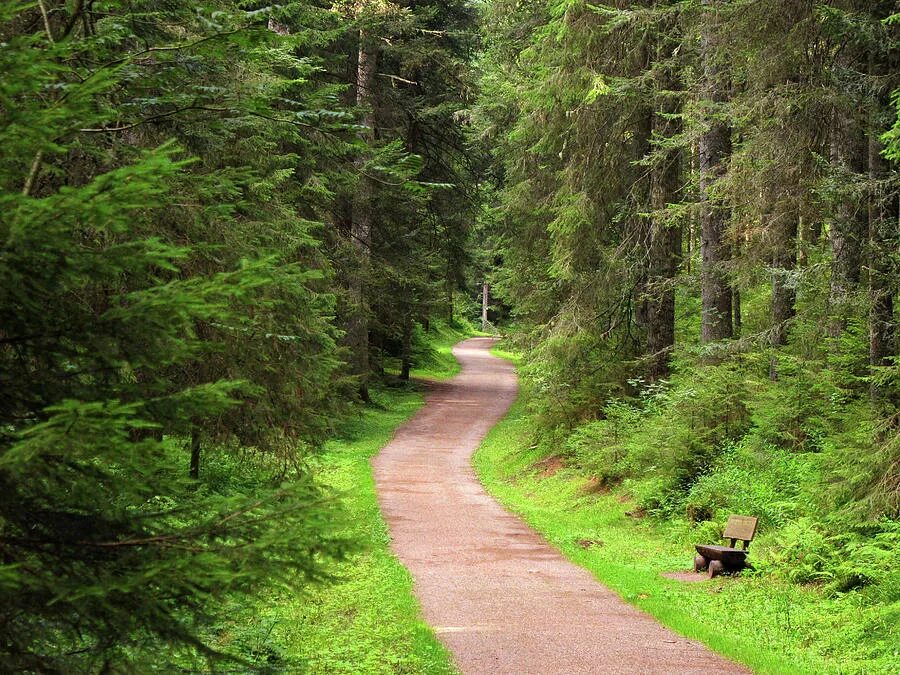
{"x":500,"y":597}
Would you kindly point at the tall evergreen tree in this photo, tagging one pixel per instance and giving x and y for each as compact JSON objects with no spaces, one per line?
{"x":148,"y":297}
{"x":714,"y":149}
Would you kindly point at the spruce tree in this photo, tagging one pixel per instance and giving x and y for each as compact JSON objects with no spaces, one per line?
{"x":153,"y":292}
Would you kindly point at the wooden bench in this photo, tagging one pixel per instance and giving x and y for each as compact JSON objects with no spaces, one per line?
{"x":718,"y":559}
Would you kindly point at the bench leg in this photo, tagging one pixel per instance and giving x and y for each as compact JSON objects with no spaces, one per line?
{"x":700,"y":563}
{"x":715,"y":568}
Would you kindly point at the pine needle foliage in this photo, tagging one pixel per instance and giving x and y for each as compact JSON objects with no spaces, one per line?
{"x":738,"y":160}
{"x":162,"y":288}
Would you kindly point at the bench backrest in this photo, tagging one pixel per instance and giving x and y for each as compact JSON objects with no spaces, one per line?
{"x":740,"y":528}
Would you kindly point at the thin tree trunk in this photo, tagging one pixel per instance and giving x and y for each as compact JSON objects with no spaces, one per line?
{"x":449,"y":300}
{"x":484,"y":306}
{"x":848,"y":226}
{"x":406,"y":349}
{"x":693,"y":223}
{"x":361,"y":227}
{"x":715,"y":148}
{"x":883,"y":215}
{"x":195,"y":454}
{"x":784,"y":262}
{"x":735,"y":291}
{"x":665,"y":240}
{"x":665,"y":237}
{"x":640,"y":225}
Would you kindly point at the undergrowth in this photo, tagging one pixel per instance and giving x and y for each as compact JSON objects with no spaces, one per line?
{"x":792,"y":435}
{"x":785,"y":617}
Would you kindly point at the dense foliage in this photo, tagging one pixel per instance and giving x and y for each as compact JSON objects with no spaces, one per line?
{"x":177,"y":273}
{"x":697,"y":219}
{"x":222,"y":221}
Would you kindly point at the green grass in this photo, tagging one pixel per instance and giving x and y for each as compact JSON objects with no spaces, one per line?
{"x":369,"y":621}
{"x":499,"y":351}
{"x":771,"y":626}
{"x":435,"y":360}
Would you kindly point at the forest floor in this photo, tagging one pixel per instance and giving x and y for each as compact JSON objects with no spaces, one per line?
{"x":496,"y":593}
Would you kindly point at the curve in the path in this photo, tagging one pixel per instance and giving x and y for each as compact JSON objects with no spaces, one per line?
{"x":500,"y":597}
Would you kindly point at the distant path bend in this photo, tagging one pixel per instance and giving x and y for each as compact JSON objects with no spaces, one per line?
{"x":500,"y":597}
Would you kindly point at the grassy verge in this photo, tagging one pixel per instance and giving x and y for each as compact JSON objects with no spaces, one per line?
{"x":434,"y":358}
{"x":773,"y":627}
{"x":368,"y":621}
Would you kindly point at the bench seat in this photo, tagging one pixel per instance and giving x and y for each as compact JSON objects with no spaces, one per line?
{"x":732,"y":558}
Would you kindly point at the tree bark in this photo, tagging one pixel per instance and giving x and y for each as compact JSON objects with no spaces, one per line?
{"x":195,"y":454}
{"x":361,"y":226}
{"x":665,"y":236}
{"x":640,"y":225}
{"x":883,"y":213}
{"x":848,"y":225}
{"x":450,"y":316}
{"x":714,"y":150}
{"x":784,"y":226}
{"x":665,"y":245}
{"x":406,"y":349}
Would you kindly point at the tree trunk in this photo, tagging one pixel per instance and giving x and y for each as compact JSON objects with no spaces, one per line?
{"x":883,"y":216}
{"x":406,"y":349}
{"x":361,"y":227}
{"x":195,"y":454}
{"x":484,"y":306}
{"x":715,"y":148}
{"x":784,"y":262}
{"x":640,"y":225}
{"x":449,"y":303}
{"x":735,"y":291}
{"x":665,"y":236}
{"x":848,"y":225}
{"x":665,"y":240}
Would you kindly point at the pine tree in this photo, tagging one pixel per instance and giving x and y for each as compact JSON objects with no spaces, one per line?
{"x":149,"y":297}
{"x":714,"y":149}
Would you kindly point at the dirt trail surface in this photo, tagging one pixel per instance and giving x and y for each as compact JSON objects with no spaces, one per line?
{"x":500,"y":597}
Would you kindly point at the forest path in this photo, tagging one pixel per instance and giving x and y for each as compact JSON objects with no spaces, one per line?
{"x":498,"y":595}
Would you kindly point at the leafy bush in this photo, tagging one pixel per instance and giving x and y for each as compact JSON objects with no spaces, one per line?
{"x":841,"y":556}
{"x":765,"y":481}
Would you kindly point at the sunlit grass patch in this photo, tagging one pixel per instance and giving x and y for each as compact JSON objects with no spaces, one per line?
{"x":368,"y":621}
